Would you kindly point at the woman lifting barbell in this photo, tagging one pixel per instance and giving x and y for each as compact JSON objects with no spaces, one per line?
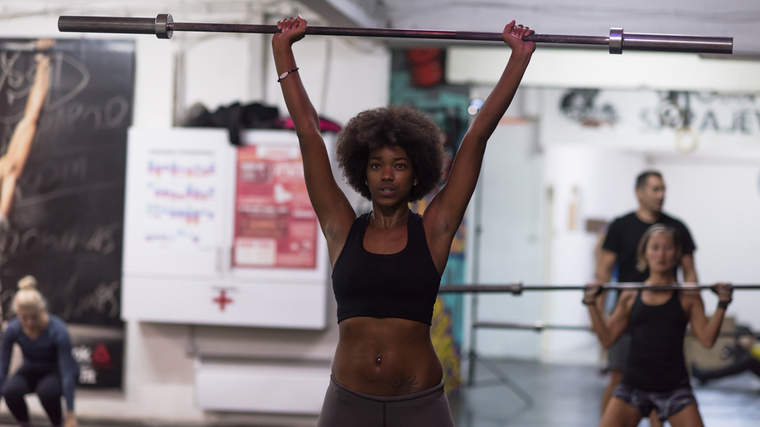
{"x":387,"y":264}
{"x":655,"y":376}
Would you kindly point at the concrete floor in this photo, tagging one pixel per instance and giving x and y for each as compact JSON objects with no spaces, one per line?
{"x":562,"y":396}
{"x":569,"y":396}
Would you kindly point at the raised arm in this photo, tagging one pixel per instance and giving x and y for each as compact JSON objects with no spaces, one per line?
{"x":448,"y":207}
{"x":332,"y":207}
{"x":689,"y":270}
{"x":68,"y":369}
{"x":6,"y":350}
{"x":608,"y":331}
{"x":20,"y":144}
{"x":705,"y":330}
{"x":604,"y":266}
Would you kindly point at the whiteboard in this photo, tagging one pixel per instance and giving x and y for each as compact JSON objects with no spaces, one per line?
{"x":179,"y":262}
{"x":176,"y":197}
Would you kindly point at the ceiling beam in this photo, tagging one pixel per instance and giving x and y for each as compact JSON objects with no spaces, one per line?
{"x":344,"y":13}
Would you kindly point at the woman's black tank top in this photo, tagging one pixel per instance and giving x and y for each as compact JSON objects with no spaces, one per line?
{"x":402,"y":285}
{"x":656,"y":361}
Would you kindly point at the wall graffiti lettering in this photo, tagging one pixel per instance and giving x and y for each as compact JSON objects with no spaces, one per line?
{"x":700,"y":112}
{"x":704,"y":112}
{"x":581,"y":106}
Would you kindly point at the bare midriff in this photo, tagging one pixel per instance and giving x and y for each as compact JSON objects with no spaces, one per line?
{"x":386,"y":356}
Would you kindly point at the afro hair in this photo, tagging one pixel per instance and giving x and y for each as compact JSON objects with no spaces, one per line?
{"x":402,"y":126}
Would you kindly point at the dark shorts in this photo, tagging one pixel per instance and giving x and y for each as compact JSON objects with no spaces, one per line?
{"x":617,"y":355}
{"x":347,"y":408}
{"x":667,"y":403}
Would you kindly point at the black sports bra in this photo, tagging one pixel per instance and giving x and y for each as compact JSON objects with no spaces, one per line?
{"x":656,"y":360}
{"x":402,"y":285}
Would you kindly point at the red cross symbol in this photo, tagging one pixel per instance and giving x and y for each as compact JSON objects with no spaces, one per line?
{"x":222,"y":299}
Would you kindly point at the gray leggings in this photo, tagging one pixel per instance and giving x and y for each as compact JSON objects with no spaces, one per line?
{"x":347,"y":408}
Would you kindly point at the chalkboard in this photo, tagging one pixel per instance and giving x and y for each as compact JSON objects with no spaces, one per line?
{"x":66,"y":218}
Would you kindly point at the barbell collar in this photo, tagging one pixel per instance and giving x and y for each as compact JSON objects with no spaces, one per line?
{"x":162,"y":26}
{"x":616,"y":40}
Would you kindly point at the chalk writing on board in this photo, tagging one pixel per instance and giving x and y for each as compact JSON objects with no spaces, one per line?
{"x":101,"y":300}
{"x":66,"y":220}
{"x":16,"y":81}
{"x":99,"y":239}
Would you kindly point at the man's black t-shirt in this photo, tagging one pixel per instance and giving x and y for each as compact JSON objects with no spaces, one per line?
{"x":623,"y":238}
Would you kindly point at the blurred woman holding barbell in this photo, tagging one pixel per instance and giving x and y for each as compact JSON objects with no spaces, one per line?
{"x":655,"y":376}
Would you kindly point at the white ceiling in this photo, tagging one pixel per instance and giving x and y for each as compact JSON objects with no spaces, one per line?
{"x":728,"y":18}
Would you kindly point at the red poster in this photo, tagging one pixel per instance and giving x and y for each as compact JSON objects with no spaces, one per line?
{"x":275,"y":225}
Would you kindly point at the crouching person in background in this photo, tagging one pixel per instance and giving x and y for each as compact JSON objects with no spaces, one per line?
{"x":48,"y":370}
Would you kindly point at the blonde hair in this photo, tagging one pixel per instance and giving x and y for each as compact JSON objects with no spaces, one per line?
{"x":28,"y":296}
{"x":641,"y":261}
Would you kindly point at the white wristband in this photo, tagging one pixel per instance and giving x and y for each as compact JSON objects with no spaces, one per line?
{"x":285,"y":74}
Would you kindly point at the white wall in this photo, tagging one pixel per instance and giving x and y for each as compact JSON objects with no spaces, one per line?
{"x":718,"y":197}
{"x":159,"y":372}
{"x":218,"y":69}
{"x":342,"y":76}
{"x":604,"y":180}
{"x":510,"y":238}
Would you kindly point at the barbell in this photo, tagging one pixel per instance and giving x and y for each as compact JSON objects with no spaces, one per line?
{"x":540,"y":327}
{"x":537,"y":326}
{"x":519,"y":288}
{"x":163,"y":26}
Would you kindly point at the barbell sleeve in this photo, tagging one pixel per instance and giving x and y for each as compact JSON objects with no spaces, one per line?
{"x":106,"y":24}
{"x":163,"y":26}
{"x":677,"y":43}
